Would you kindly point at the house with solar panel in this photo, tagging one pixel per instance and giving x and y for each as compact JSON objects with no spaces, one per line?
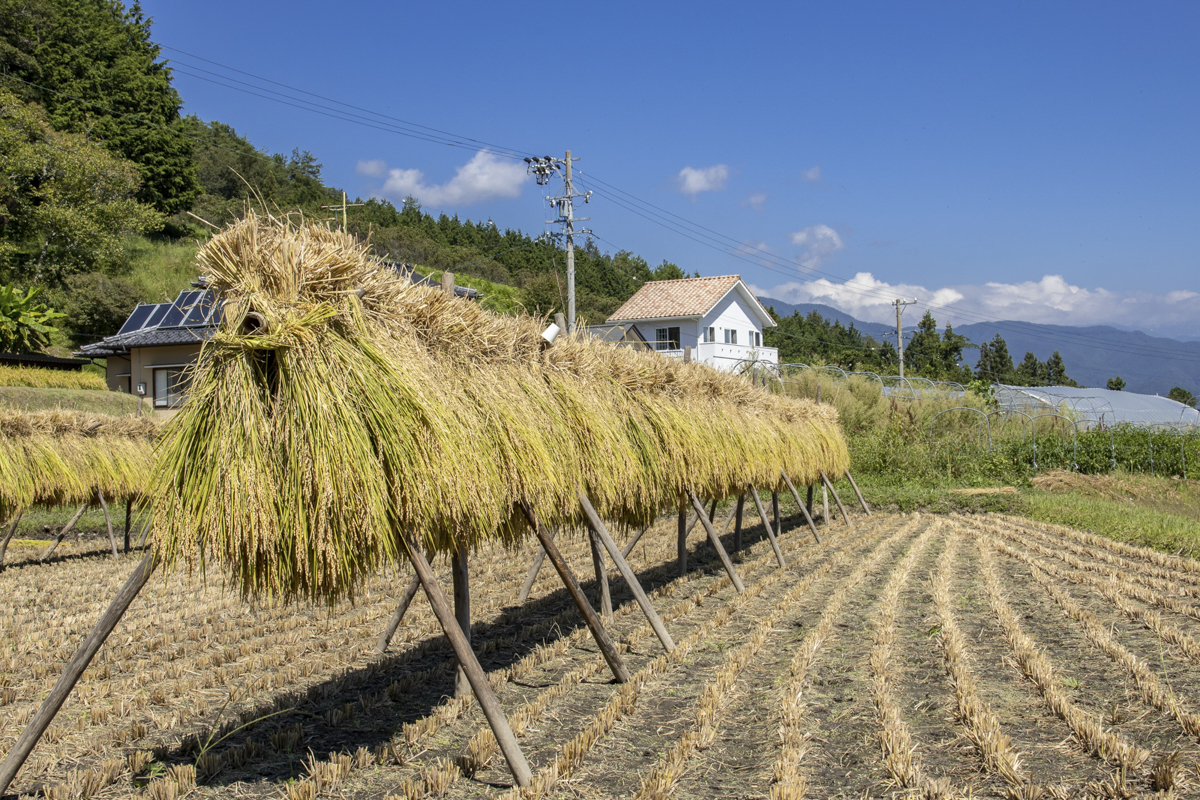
{"x":719,"y":318}
{"x":149,"y":356}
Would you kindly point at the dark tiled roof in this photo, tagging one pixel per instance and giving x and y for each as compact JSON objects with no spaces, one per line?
{"x":41,"y":360}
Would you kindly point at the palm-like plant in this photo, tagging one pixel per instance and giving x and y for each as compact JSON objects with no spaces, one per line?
{"x":25,"y":320}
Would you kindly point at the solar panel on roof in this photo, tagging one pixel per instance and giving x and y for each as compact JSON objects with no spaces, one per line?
{"x":178,"y":310}
{"x":156,"y":316}
{"x":201,"y":310}
{"x":136,"y":319}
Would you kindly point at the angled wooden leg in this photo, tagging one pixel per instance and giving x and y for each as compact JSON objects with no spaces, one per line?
{"x":838,"y":500}
{"x":716,"y":543}
{"x":410,"y":592}
{"x":606,"y":609}
{"x":607,"y":648}
{"x":112,"y":540}
{"x":681,"y":542}
{"x":12,"y":529}
{"x":807,"y":516}
{"x":145,"y":531}
{"x":462,"y":611}
{"x":532,"y":576}
{"x":74,"y":670}
{"x":775,"y":513}
{"x":737,"y":525}
{"x":809,"y":504}
{"x":128,"y":520}
{"x":633,"y":542}
{"x":597,"y":526}
{"x":824,"y":503}
{"x":861,"y":501}
{"x":63,"y":533}
{"x":470,"y":664}
{"x":762,"y":512}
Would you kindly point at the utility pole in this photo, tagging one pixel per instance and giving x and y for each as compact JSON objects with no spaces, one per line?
{"x":343,"y":207}
{"x":900,"y":304}
{"x":542,"y":169}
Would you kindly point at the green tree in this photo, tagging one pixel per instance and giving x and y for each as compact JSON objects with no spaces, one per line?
{"x":67,"y":203}
{"x":1181,"y":395}
{"x":995,"y":364}
{"x":1116,"y":384}
{"x":25,"y":321}
{"x":1057,"y":371}
{"x":92,"y":65}
{"x":666,"y":271}
{"x":97,"y":305}
{"x":1031,"y":372}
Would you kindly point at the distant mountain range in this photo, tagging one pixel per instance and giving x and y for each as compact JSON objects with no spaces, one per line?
{"x":1148,"y":364}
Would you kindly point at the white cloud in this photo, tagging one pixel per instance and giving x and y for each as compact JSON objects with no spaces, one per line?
{"x":485,"y":177}
{"x":372,"y":169}
{"x":812,"y":174}
{"x":693,"y":181}
{"x":1051,"y":300}
{"x":819,"y":242}
{"x":756,"y":200}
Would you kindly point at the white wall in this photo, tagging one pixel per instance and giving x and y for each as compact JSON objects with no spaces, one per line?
{"x":733,"y":312}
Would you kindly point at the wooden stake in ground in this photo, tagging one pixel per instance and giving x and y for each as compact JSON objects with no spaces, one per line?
{"x":775,"y":512}
{"x":74,"y":670}
{"x":762,"y":512}
{"x":128,"y":520}
{"x":12,"y":529}
{"x":838,"y":500}
{"x":681,"y":540}
{"x":534,"y":568}
{"x":470,"y":665}
{"x":606,"y":609}
{"x":597,"y":526}
{"x":62,"y":534}
{"x":145,"y":531}
{"x":737,"y":525}
{"x":824,"y":503}
{"x":807,"y":515}
{"x":633,"y":542}
{"x":808,"y":505}
{"x":861,"y":501}
{"x":112,"y":540}
{"x":410,"y":592}
{"x":462,"y":611}
{"x":716,"y":543}
{"x":607,"y":648}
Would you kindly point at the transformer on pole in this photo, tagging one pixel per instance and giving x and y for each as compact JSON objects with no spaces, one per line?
{"x":542,"y":169}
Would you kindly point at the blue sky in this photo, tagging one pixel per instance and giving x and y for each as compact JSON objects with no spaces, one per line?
{"x":1025,"y":161}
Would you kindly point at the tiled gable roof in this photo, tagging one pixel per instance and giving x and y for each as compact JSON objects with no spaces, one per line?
{"x":687,"y":297}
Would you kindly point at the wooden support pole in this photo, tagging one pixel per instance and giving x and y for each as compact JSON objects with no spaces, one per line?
{"x":775,"y":512}
{"x":762,"y":512}
{"x":597,"y":526}
{"x":824,"y":503}
{"x":74,"y":670}
{"x":633,"y":542}
{"x":861,"y":501}
{"x":112,"y":540}
{"x":716,"y":543}
{"x":711,"y":516}
{"x":838,"y":500}
{"x":410,"y":592}
{"x":607,"y":648}
{"x":606,"y":609}
{"x":532,"y":576}
{"x":681,"y":542}
{"x":145,"y":530}
{"x":807,"y":516}
{"x":737,"y":525}
{"x":62,"y":534}
{"x":12,"y":529}
{"x":725,"y":523}
{"x":128,"y":520}
{"x":809,"y":505}
{"x":470,"y":664}
{"x":461,"y":579}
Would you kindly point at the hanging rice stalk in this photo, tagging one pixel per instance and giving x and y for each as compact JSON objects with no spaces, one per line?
{"x":54,"y":458}
{"x":341,"y":413}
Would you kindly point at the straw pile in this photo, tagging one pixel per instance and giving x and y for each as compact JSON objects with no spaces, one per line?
{"x":53,"y":458}
{"x":340,"y":410}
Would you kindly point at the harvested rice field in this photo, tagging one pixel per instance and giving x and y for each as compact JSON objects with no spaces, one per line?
{"x":914,"y":655}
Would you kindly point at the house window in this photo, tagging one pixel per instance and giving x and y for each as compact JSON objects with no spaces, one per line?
{"x":755,"y":339}
{"x":170,"y":387}
{"x":666,"y":339}
{"x":710,"y":334}
{"x":730,"y":336}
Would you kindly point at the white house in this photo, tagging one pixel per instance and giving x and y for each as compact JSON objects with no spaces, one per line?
{"x":719,"y":318}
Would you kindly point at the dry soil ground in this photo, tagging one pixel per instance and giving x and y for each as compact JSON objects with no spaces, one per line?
{"x":912,"y":655}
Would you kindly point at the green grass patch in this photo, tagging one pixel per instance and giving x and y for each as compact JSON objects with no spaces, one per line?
{"x":162,"y":269}
{"x":1126,"y":521}
{"x":498,"y":298}
{"x":24,"y":398}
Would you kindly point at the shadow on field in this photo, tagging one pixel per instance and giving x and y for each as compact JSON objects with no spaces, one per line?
{"x":366,"y":706}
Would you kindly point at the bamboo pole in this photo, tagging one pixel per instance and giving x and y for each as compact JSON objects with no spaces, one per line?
{"x":461,"y":586}
{"x":633,"y":542}
{"x":62,"y":533}
{"x":861,"y":501}
{"x":597,"y":526}
{"x":762,"y":512}
{"x":410,"y":592}
{"x":470,"y":664}
{"x":112,"y":540}
{"x":607,"y":648}
{"x":737,"y":526}
{"x":606,"y":609}
{"x":807,"y":516}
{"x":838,"y":500}
{"x":716,"y":543}
{"x":681,"y":541}
{"x":74,"y":670}
{"x":12,"y":529}
{"x":532,"y":576}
